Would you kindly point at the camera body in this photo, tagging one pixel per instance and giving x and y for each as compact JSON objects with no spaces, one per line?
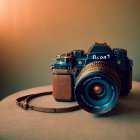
{"x":95,"y":78}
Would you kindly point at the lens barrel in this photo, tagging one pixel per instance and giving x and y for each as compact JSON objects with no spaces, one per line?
{"x":97,"y":87}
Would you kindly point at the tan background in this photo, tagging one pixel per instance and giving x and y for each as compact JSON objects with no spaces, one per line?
{"x":32,"y":32}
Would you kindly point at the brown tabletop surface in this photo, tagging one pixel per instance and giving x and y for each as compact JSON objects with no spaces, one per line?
{"x":123,"y":123}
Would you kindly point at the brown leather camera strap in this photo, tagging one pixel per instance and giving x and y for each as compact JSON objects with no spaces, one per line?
{"x":23,"y":102}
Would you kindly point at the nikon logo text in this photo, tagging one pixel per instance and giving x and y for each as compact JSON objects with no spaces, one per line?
{"x":101,"y":56}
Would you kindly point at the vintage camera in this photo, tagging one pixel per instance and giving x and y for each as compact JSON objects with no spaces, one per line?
{"x":95,"y":79}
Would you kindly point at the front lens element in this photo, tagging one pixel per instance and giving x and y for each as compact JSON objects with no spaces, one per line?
{"x":97,"y":89}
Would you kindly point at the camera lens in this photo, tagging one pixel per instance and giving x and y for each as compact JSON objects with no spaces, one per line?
{"x":97,"y":87}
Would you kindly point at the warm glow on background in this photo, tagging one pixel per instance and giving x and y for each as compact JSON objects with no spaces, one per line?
{"x":32,"y":32}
